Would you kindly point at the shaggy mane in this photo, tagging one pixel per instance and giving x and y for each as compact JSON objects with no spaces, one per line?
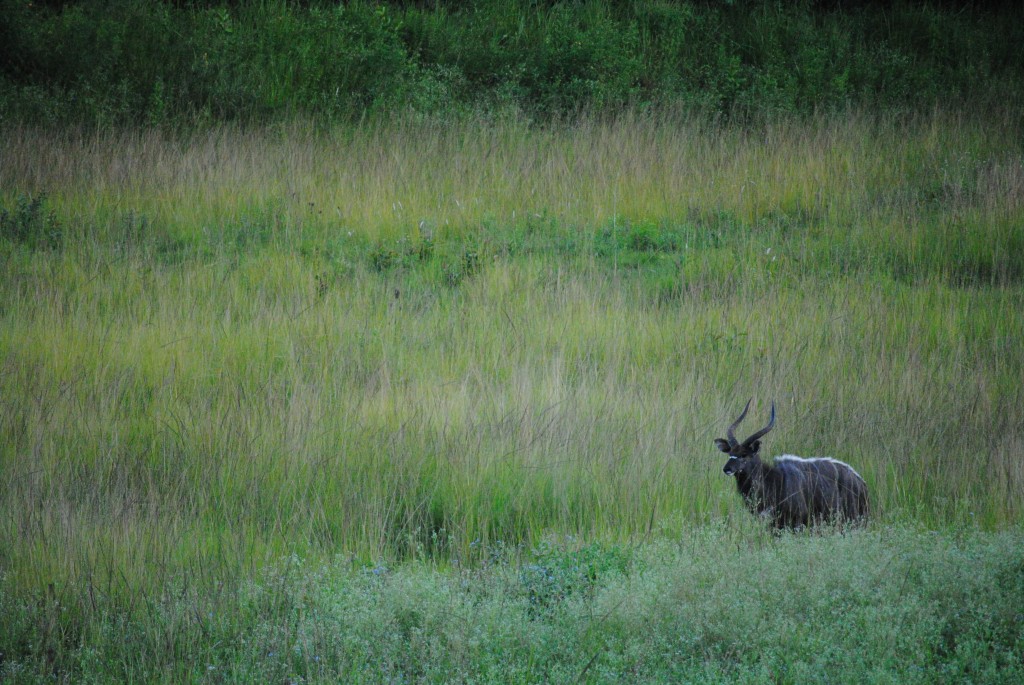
{"x":793,"y":457}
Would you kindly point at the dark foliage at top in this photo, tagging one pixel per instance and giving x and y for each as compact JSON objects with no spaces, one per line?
{"x":146,"y":61}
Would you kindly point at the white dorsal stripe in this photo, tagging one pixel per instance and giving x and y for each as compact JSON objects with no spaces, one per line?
{"x":793,"y":457}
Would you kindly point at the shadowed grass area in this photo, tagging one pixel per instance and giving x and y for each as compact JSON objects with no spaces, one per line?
{"x":102,"y":63}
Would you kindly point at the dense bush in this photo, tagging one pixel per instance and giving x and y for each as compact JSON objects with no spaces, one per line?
{"x":139,"y":61}
{"x":30,"y":223}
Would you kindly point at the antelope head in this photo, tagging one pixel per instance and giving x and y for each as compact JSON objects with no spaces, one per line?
{"x":743,"y":455}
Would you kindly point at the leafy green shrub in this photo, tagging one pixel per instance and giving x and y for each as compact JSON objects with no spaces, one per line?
{"x":386,"y":255}
{"x":268,"y":59}
{"x":30,"y":223}
{"x":558,"y":572}
{"x":100,"y":62}
{"x":640,"y":237}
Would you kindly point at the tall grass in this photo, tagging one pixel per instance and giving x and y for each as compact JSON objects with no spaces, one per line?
{"x":954,"y":175}
{"x":414,"y":340}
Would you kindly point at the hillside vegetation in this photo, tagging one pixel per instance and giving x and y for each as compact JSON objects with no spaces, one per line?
{"x":147,"y":61}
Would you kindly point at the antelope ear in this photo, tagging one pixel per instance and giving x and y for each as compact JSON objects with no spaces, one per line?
{"x":755,"y":446}
{"x":722,"y":445}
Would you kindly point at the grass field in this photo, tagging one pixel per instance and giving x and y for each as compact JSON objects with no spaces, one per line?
{"x":431,"y":349}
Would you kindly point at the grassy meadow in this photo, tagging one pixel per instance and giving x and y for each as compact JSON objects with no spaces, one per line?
{"x":321,"y":390}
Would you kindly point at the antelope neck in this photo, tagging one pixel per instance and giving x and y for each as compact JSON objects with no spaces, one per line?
{"x":751,"y":479}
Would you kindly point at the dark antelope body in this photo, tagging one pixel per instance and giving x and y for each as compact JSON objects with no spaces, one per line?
{"x":793,"y":492}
